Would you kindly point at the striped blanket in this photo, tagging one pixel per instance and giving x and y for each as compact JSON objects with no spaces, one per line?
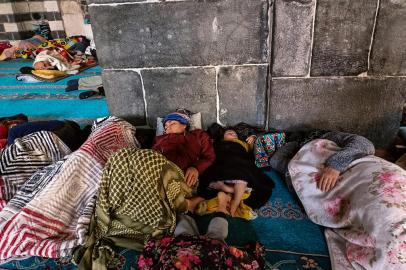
{"x":50,"y":214}
{"x":24,"y":157}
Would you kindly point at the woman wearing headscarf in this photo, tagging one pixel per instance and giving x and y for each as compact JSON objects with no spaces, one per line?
{"x":192,"y":150}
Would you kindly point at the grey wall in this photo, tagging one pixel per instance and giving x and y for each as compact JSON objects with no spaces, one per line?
{"x":286,"y":64}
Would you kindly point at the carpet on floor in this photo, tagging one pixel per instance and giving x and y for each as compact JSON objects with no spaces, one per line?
{"x":44,"y":100}
{"x":291,"y":240}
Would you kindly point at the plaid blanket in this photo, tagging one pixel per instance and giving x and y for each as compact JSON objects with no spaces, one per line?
{"x":139,"y":195}
{"x":50,"y":214}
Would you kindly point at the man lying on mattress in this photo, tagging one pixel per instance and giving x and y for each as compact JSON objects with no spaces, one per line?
{"x":358,"y":197}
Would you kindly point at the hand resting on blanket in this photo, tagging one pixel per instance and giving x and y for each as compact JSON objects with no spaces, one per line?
{"x":328,"y":179}
{"x":364,"y":214}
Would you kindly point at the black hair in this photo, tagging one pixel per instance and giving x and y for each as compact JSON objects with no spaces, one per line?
{"x":71,"y":134}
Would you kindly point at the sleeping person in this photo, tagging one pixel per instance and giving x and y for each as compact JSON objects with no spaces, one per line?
{"x":234,"y":172}
{"x":29,"y":48}
{"x":359,"y":198}
{"x":352,"y":147}
{"x":192,"y":151}
{"x":57,"y":58}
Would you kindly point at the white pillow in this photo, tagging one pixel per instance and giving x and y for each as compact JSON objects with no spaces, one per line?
{"x":195,"y":123}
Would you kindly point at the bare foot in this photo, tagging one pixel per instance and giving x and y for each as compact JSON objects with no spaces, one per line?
{"x":224,"y":199}
{"x":233,"y":206}
{"x":8,"y":53}
{"x":219,"y":185}
{"x":237,"y":197}
{"x":193,"y":202}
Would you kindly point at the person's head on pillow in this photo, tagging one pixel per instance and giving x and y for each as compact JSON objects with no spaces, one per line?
{"x":176,"y":123}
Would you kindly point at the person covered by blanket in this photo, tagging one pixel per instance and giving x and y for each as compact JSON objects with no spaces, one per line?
{"x":68,"y":131}
{"x":57,"y":58}
{"x":28,"y":45}
{"x":187,"y":249}
{"x":234,"y":171}
{"x":139,"y":196}
{"x":29,"y":48}
{"x":353,"y":147}
{"x":191,"y":150}
{"x":17,"y":126}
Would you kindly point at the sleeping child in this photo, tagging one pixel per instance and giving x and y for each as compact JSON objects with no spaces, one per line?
{"x":234,"y":172}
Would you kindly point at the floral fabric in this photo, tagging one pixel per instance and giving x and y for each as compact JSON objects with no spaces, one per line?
{"x":265,"y":146}
{"x":198,"y":252}
{"x":365,"y":213}
{"x":65,"y":43}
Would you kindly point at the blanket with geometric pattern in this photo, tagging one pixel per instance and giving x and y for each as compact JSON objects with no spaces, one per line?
{"x":50,"y":214}
{"x":20,"y":160}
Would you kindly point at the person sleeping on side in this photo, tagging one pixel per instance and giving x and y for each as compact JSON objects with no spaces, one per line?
{"x":353,"y":147}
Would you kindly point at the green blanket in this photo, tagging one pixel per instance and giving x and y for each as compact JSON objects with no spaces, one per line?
{"x":139,"y":196}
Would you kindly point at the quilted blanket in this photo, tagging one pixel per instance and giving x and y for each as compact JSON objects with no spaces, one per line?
{"x":50,"y":214}
{"x":365,"y":213}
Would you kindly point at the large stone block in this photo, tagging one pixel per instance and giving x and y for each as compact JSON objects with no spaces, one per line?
{"x":292,"y":36}
{"x":342,"y":37}
{"x":181,"y":33}
{"x":388,"y":55}
{"x":124,"y":95}
{"x":112,"y":1}
{"x":369,"y":107}
{"x":190,"y":88}
{"x":242,"y":94}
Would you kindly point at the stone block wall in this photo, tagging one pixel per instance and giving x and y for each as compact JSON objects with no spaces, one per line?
{"x":284,"y":64}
